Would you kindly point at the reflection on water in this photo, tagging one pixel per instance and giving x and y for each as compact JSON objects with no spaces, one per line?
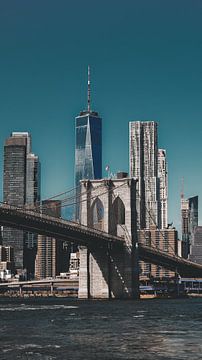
{"x":69,"y":329}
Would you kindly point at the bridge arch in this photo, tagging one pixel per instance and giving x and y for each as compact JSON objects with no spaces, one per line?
{"x":97,"y":214}
{"x":118,"y":211}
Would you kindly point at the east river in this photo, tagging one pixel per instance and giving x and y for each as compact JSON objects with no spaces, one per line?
{"x":72,"y":329}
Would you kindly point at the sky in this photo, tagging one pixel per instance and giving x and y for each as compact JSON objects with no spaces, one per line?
{"x":146,"y":64}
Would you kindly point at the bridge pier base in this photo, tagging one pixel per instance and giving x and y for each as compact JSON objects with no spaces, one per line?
{"x":107,"y":273}
{"x":111,"y":270}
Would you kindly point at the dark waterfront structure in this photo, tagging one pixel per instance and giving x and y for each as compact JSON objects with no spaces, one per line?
{"x":88,"y":146}
{"x":21,"y":187}
{"x":189,"y":220}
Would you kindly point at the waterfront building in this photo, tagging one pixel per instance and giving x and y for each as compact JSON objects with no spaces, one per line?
{"x":165,"y":240}
{"x":6,"y":259}
{"x":189,"y":221}
{"x":6,"y":253}
{"x":88,"y":147}
{"x":52,"y":255}
{"x":143,"y":160}
{"x":19,"y":178}
{"x":74,"y":264}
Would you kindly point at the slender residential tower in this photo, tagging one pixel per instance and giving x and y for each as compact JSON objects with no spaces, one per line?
{"x":144,"y":166}
{"x":163,"y":188}
{"x":88,"y":146}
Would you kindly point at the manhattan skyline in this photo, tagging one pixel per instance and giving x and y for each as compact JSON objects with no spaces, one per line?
{"x":145,"y":60}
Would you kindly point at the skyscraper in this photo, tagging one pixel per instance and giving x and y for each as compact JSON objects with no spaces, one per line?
{"x":88,"y":146}
{"x":189,"y":221}
{"x":163,"y":188}
{"x":196,"y":246}
{"x":20,"y":182}
{"x":143,"y":155}
{"x":52,"y":255}
{"x":33,"y":174}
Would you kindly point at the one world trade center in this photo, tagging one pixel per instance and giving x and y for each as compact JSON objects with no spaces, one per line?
{"x":88,"y":147}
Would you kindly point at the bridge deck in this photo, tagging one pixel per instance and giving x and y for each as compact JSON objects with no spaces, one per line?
{"x":32,"y":221}
{"x":58,"y":228}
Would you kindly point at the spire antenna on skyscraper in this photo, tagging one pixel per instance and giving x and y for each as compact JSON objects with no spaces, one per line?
{"x":88,"y":88}
{"x":182,"y":189}
{"x":88,"y":147}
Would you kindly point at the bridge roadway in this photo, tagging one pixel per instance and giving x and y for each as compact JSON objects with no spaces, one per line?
{"x":35,"y":222}
{"x":32,"y":221}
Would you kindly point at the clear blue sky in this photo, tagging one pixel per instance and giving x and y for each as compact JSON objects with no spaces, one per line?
{"x":146,"y":61}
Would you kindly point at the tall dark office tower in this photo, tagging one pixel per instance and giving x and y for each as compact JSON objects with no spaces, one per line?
{"x":189,"y":220}
{"x":21,"y":181}
{"x":88,"y":146}
{"x":33,"y":174}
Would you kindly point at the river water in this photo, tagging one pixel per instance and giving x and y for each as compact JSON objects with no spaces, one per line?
{"x":72,"y":329}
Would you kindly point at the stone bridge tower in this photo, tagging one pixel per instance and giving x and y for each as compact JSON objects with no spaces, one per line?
{"x":110,"y":271}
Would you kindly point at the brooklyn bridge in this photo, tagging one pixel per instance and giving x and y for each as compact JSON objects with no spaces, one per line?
{"x":109,"y":254}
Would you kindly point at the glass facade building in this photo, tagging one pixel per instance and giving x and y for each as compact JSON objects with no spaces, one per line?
{"x":33,"y":177}
{"x":20,"y":187}
{"x":88,"y":149}
{"x":33,"y":174}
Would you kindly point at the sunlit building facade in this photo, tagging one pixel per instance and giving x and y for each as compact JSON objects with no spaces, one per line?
{"x":143,"y":158}
{"x":163,"y":188}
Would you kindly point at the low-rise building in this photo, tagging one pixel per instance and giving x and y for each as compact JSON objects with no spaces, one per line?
{"x":6,"y":259}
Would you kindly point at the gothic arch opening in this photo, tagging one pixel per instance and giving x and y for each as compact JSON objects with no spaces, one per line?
{"x":118,"y":214}
{"x":97,"y":211}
